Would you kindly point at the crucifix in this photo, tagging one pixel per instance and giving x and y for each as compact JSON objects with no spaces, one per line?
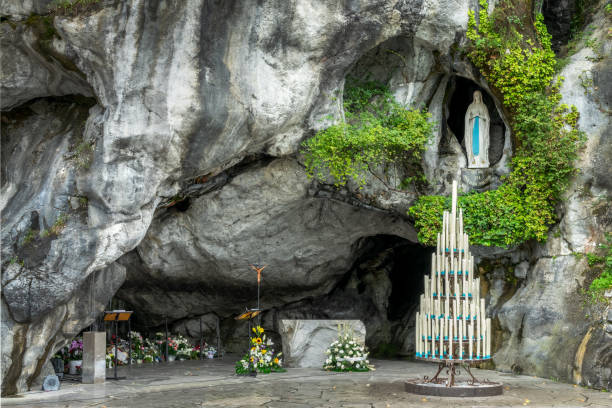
{"x":258,"y":269}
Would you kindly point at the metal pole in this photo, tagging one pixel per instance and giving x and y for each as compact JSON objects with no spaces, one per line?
{"x":218,"y":339}
{"x":116,"y":348}
{"x":166,"y":339}
{"x":130,"y":344}
{"x":201,"y":338}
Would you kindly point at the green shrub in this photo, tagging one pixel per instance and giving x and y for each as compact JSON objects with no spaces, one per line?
{"x":377,"y":132}
{"x":519,"y":65}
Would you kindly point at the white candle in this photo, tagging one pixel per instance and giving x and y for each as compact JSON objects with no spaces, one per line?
{"x":455,"y":313}
{"x":433,"y":338}
{"x":446,"y":279}
{"x":460,"y":350}
{"x":470,"y":339}
{"x":417,"y":329}
{"x":454,"y":199}
{"x":425,"y":334}
{"x":478,"y":338}
{"x":442,"y":338}
{"x":450,"y":340}
{"x":488,"y":337}
{"x":460,"y":234}
{"x":438,"y":277}
{"x":444,"y":232}
{"x":456,"y":289}
{"x":446,"y":306}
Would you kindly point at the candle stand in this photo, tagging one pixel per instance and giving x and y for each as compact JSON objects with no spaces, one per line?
{"x":451,"y":326}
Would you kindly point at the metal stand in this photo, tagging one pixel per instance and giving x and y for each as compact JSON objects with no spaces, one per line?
{"x":116,"y":349}
{"x":166,"y":340}
{"x":450,"y":387}
{"x":114,"y":317}
{"x":201,"y":338}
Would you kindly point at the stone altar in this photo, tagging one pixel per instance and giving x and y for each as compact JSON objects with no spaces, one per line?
{"x":305,"y":341}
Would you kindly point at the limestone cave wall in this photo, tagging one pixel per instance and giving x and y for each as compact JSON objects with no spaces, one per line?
{"x":150,"y":152}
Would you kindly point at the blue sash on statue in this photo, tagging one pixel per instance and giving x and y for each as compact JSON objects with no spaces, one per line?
{"x":475,"y":141}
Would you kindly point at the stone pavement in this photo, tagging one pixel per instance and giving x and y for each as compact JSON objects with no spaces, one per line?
{"x":211,"y":383}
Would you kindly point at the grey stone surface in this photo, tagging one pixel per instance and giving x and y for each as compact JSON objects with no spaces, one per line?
{"x":37,"y":66}
{"x":305,"y":341}
{"x":21,"y":9}
{"x":212,"y":383}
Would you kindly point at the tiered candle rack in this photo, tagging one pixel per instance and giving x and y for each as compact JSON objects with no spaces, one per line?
{"x":451,"y":325}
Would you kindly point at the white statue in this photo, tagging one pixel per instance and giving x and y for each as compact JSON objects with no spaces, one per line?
{"x":476,"y":134}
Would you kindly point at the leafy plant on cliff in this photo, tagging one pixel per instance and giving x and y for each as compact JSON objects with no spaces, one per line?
{"x":604,"y":281}
{"x":519,"y":65}
{"x":377,"y":133}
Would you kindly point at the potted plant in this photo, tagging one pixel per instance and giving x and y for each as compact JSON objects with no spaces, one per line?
{"x":58,"y":362}
{"x":210,"y":351}
{"x":75,"y":353}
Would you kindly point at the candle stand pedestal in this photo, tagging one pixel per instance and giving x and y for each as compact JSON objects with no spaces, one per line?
{"x":449,"y":386}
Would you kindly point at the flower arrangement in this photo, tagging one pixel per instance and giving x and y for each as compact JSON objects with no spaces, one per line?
{"x":346,"y":353}
{"x":261,"y":357}
{"x":75,"y":350}
{"x":183,"y":348}
{"x":138,"y":347}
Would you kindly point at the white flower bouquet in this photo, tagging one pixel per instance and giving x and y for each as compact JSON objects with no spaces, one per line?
{"x":346,"y":353}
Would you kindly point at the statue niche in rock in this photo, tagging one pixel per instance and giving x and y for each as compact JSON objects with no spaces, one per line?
{"x":477,"y":123}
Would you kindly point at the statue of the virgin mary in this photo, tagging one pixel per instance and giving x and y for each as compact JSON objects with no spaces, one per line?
{"x":476,"y":134}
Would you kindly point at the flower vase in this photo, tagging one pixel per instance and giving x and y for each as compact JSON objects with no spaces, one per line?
{"x":73,"y":364}
{"x":210,"y":354}
{"x":171,"y":357}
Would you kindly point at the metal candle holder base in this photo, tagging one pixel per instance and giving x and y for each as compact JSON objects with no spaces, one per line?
{"x":449,"y":387}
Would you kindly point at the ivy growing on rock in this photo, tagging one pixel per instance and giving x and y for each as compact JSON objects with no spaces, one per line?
{"x":378,"y":132}
{"x":513,"y":52}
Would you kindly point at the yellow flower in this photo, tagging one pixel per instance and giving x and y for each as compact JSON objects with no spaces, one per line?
{"x":261,"y":330}
{"x":251,"y":359}
{"x":258,"y":340}
{"x":275,"y":360}
{"x":254,"y":331}
{"x":263,"y":351}
{"x":253,"y":348}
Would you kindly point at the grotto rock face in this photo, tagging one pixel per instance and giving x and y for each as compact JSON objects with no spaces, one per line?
{"x":263,"y":215}
{"x":157,"y":143}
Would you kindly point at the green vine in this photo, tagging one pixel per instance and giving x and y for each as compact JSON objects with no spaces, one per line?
{"x":378,"y":132}
{"x":515,"y":56}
